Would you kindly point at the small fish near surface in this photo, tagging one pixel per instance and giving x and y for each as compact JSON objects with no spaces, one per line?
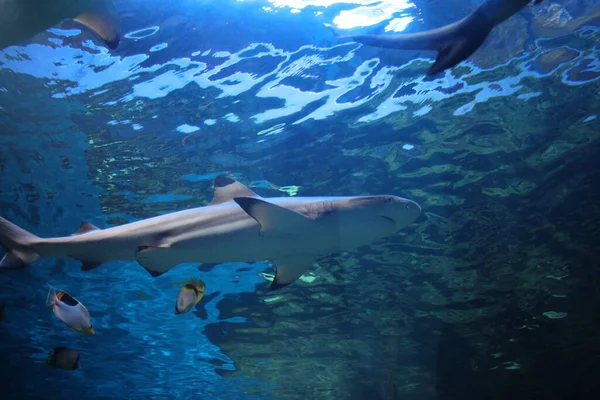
{"x":454,"y":42}
{"x":64,"y":358}
{"x":237,"y":226}
{"x":190,"y":294}
{"x":22,"y":19}
{"x":70,"y":311}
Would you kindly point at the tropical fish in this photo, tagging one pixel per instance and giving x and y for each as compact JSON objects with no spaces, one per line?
{"x":190,"y":294}
{"x":64,"y":358}
{"x":454,"y":42}
{"x":70,"y":311}
{"x":237,"y":226}
{"x":22,"y":19}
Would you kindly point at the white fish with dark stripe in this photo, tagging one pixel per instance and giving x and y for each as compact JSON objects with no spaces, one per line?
{"x":237,"y":226}
{"x":70,"y":311}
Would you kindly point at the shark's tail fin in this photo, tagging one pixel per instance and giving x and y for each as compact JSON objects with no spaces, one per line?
{"x":454,"y":43}
{"x":19,"y":245}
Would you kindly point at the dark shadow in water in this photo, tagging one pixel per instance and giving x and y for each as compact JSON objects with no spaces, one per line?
{"x":200,"y":310}
{"x":553,"y":364}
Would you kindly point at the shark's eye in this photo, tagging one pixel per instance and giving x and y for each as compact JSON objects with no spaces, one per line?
{"x":389,"y":199}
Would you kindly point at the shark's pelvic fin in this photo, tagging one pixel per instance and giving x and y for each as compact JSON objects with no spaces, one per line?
{"x":273,"y":220}
{"x":154,"y":259}
{"x":226,"y":189}
{"x":12,"y":261}
{"x":104,"y":21}
{"x":86,"y":227}
{"x":289,"y":271}
{"x":87,"y":265}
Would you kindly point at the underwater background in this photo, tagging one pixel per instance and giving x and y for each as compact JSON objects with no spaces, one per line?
{"x":494,"y":292}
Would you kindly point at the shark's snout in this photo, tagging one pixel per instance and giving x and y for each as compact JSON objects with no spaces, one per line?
{"x":412,"y":207}
{"x":402,"y":211}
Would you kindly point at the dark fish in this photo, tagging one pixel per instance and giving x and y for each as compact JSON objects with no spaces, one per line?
{"x":455,"y":42}
{"x":64,"y":358}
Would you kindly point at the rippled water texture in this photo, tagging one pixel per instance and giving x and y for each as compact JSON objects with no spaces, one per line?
{"x":488,"y":294}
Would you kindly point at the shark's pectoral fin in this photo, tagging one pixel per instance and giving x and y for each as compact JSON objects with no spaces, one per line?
{"x":273,"y":220}
{"x":155,"y":260}
{"x":288,"y":271}
{"x":102,"y":18}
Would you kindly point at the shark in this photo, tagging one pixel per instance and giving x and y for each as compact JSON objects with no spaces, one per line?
{"x":238,"y":225}
{"x":22,"y":19}
{"x":455,"y":42}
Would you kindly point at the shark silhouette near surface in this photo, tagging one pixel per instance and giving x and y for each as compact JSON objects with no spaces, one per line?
{"x":23,"y":19}
{"x":237,"y":226}
{"x":454,"y":42}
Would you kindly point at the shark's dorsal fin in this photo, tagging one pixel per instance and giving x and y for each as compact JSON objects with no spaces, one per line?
{"x":102,"y":18}
{"x":226,"y":189}
{"x":273,"y":219}
{"x":86,"y":227}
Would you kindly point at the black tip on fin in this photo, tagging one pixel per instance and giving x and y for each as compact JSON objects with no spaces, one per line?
{"x":278,"y":285}
{"x":89,"y":265}
{"x":149,"y":257}
{"x":462,"y":43}
{"x":246,"y":203}
{"x":102,"y":18}
{"x":113,"y":44}
{"x":222,"y":180}
{"x":154,"y":274}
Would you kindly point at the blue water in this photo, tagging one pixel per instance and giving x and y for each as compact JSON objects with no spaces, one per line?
{"x":262,"y":90}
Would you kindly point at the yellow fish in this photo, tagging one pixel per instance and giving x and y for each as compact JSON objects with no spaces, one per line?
{"x":190,"y":294}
